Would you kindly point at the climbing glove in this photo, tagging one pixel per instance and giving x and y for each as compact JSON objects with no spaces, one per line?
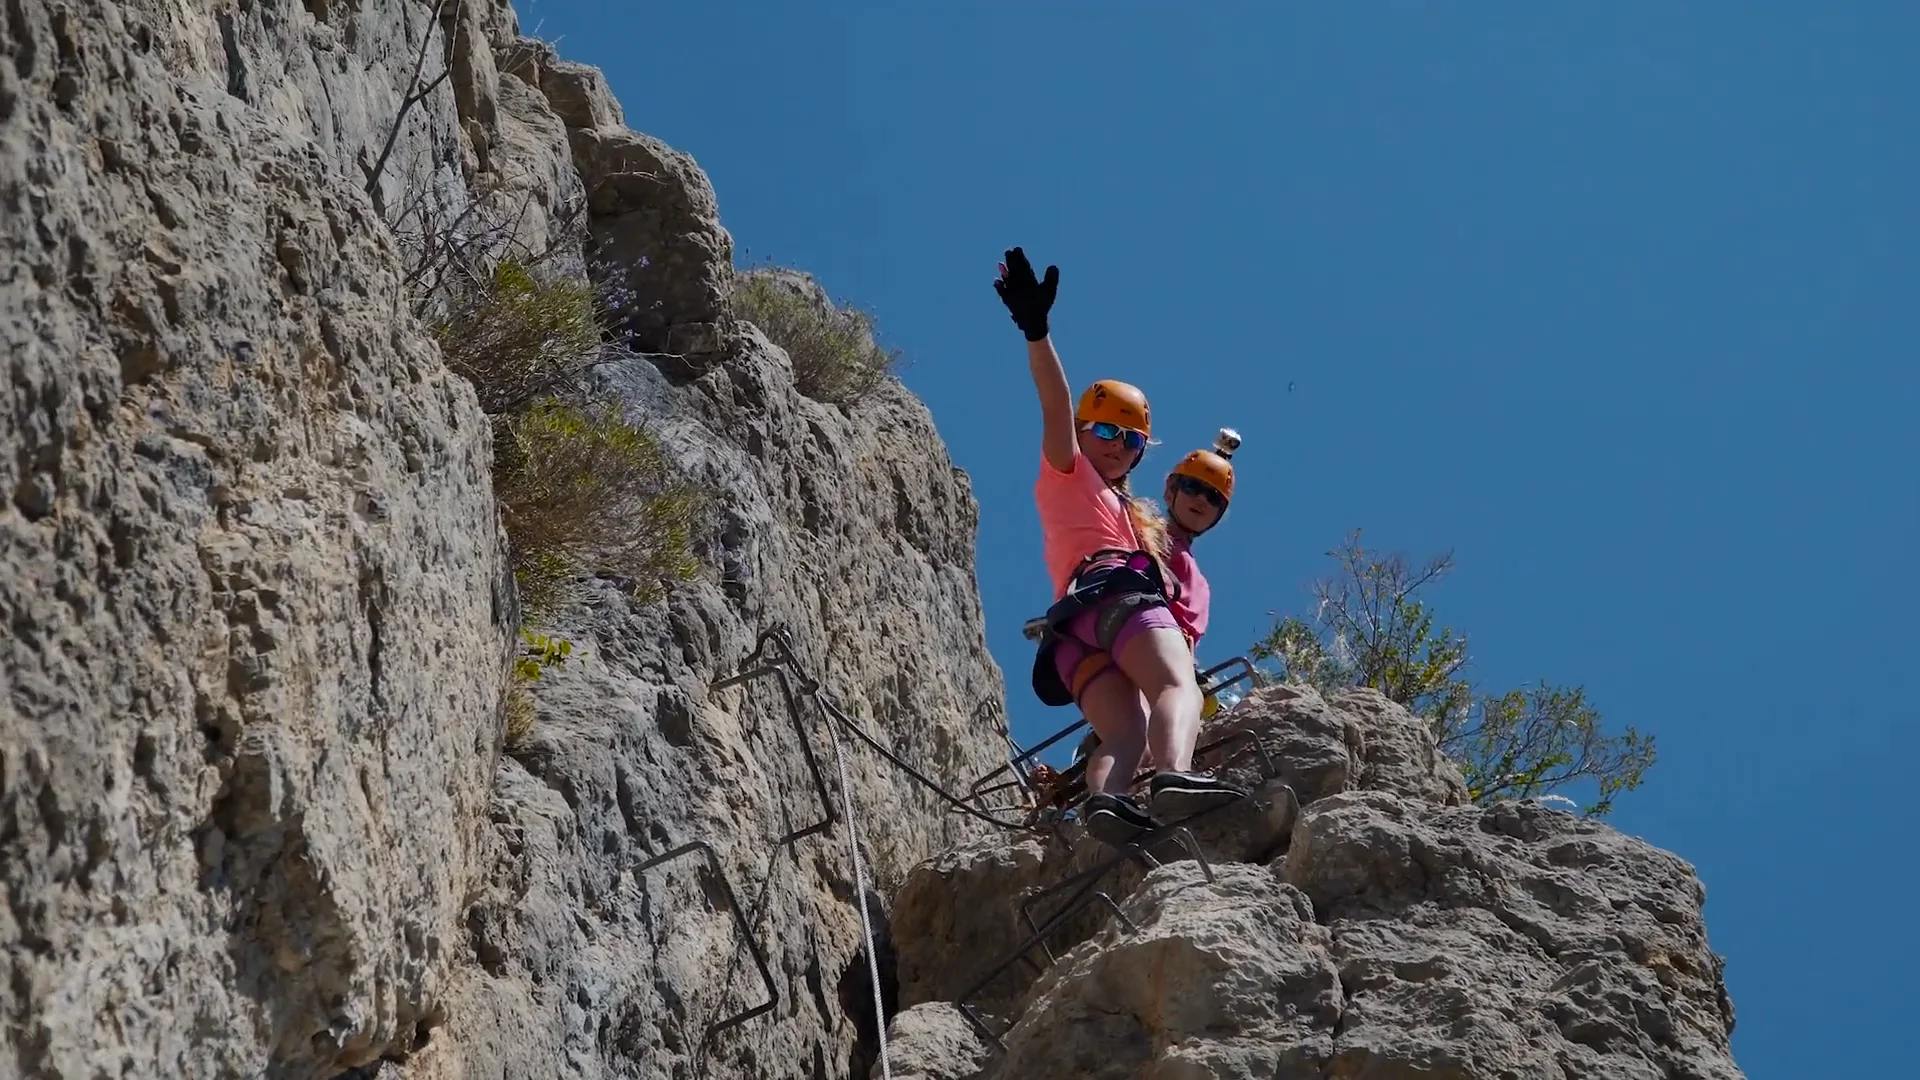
{"x":1027,"y":300}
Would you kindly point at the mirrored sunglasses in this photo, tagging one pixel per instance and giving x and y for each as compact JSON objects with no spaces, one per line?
{"x":1103,"y":430}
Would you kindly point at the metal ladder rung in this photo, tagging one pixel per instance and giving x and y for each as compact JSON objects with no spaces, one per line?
{"x":739,"y":922}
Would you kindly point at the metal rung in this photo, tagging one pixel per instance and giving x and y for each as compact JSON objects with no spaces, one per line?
{"x":739,"y":922}
{"x":1078,"y":905}
{"x":788,"y":662}
{"x":1209,"y":686}
{"x":1017,"y":764}
{"x":1268,"y":770}
{"x":1140,"y":850}
{"x":1037,"y":937}
{"x":777,"y":669}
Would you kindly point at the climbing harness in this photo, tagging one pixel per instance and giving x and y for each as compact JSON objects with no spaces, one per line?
{"x":1113,"y":580}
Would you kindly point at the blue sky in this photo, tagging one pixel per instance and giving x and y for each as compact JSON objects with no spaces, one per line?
{"x":1615,"y":301}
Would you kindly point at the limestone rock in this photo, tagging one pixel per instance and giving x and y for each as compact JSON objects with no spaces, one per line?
{"x":253,"y":811}
{"x":1224,"y":978}
{"x":249,"y":565}
{"x":877,"y":595}
{"x":474,"y":77}
{"x":1356,"y":740}
{"x":525,"y":58}
{"x":655,"y":223}
{"x":335,"y":73}
{"x":580,"y":95}
{"x":935,"y":1042}
{"x":1398,"y":938}
{"x":960,"y":912}
{"x":533,"y":191}
{"x":1400,"y":931}
{"x":1517,"y":938}
{"x":1397,"y":751}
{"x":655,"y":220}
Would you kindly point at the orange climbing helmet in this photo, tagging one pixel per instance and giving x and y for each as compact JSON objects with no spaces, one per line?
{"x":1211,"y":467}
{"x":1111,"y":401}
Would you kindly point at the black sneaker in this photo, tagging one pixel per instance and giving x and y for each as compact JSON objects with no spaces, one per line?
{"x":1116,"y":819}
{"x":1180,"y":795}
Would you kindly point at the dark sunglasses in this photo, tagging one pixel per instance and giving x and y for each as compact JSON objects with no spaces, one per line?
{"x":1103,"y":430}
{"x":1197,"y":487}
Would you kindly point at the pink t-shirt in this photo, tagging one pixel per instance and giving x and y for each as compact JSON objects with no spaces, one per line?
{"x":1190,"y":606}
{"x":1079,"y":515}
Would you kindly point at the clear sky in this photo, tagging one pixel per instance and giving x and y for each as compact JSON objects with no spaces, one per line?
{"x":1617,"y":301}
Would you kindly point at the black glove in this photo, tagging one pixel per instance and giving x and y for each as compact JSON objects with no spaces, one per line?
{"x":1026,"y":299}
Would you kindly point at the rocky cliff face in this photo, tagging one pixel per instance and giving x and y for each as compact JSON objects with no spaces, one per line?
{"x":853,"y":534}
{"x":248,"y":537}
{"x":257,"y":814}
{"x":1381,"y":927}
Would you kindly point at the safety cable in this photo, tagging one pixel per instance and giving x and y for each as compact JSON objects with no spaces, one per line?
{"x":778,"y":636}
{"x":860,"y":891}
{"x":834,"y":711}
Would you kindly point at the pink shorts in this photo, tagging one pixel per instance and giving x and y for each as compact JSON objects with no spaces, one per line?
{"x":1079,"y":660}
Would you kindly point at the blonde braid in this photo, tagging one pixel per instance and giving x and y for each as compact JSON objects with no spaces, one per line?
{"x":1148,"y":525}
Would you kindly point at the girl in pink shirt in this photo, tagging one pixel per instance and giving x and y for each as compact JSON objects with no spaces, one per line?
{"x":1197,"y":492}
{"x":1114,"y":645}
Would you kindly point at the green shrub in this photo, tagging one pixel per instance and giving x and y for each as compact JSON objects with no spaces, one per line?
{"x":586,"y":492}
{"x":545,"y":577}
{"x":538,"y":653}
{"x":1370,"y":631}
{"x":835,"y":359}
{"x":541,"y":652}
{"x":582,"y":491}
{"x":517,"y":336}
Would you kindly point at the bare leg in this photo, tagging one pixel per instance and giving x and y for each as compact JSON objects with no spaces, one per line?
{"x":1158,"y":661}
{"x":1117,"y":712}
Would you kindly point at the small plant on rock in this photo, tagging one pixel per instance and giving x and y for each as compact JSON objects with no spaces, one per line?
{"x":584,"y":491}
{"x":539,"y":652}
{"x":519,"y":336}
{"x":835,"y":358}
{"x":520,"y":714}
{"x":587,"y":492}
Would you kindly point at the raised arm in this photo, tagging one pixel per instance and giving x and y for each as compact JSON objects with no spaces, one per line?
{"x":1028,"y":300}
{"x":1056,"y":403}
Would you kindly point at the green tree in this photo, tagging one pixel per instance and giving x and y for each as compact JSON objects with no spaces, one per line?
{"x":1369,"y":629}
